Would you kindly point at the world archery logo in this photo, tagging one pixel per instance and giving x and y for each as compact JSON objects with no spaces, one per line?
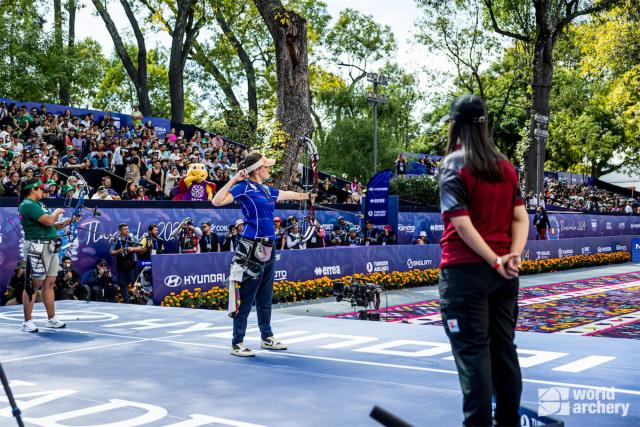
{"x":553,"y":401}
{"x":172,"y":281}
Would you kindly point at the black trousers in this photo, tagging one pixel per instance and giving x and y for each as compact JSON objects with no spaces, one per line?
{"x":479,"y":310}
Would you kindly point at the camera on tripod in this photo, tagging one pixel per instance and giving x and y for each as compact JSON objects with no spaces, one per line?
{"x":360,"y":294}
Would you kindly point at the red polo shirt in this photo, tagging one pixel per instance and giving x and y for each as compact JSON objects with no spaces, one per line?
{"x":488,"y":204}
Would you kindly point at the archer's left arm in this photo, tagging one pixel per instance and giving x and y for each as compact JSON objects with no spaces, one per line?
{"x":62,"y":224}
{"x":294,"y":195}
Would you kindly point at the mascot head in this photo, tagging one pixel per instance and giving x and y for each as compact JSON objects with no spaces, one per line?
{"x":198,"y":171}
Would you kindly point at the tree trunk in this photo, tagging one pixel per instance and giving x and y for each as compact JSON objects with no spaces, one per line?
{"x":247,"y":64}
{"x":289,"y":33}
{"x":138,"y":76}
{"x":72,"y":23}
{"x":541,"y":90}
{"x":142,"y":90}
{"x":199,"y":55}
{"x":65,"y":81}
{"x":182,"y":38}
{"x":176,"y":81}
{"x":548,"y":29}
{"x":63,"y":84}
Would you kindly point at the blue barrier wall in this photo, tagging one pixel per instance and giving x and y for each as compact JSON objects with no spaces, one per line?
{"x":94,"y":244}
{"x":91,"y":245}
{"x":565,"y":225}
{"x":173,"y":273}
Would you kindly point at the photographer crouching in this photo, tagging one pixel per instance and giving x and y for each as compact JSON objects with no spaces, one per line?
{"x":68,"y":283}
{"x":100,"y":281}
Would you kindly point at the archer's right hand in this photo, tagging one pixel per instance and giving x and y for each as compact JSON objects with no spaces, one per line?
{"x":241,"y":175}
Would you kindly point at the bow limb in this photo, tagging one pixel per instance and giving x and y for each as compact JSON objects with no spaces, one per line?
{"x":313,"y":166}
{"x":77,"y":212}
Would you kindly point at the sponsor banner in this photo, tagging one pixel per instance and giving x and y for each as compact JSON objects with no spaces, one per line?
{"x":173,"y":273}
{"x":377,"y":200}
{"x":563,"y":226}
{"x":635,"y":250}
{"x":92,"y":245}
{"x":540,"y":250}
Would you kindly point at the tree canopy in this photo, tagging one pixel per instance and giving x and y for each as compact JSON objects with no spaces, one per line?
{"x":226,"y":69}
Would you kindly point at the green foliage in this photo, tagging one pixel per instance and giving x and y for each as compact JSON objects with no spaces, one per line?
{"x":274,"y":146}
{"x":455,"y":30}
{"x":116,"y":92}
{"x":86,"y":67}
{"x":30,"y":65}
{"x":358,"y":39}
{"x":421,"y":189}
{"x":595,"y":99}
{"x":348,"y":149}
{"x":596,"y":93}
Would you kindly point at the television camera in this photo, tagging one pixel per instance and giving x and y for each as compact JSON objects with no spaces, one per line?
{"x":360,"y":294}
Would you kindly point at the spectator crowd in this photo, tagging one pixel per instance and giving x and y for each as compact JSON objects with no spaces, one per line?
{"x":33,"y":143}
{"x":581,"y":197}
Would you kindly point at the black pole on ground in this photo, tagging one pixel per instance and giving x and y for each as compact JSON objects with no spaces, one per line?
{"x":387,"y":419}
{"x":14,"y":408}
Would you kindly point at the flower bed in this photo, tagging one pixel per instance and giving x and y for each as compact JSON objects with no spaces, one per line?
{"x":285,"y":291}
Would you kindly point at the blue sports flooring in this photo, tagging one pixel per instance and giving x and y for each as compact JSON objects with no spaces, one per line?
{"x":125,"y":366}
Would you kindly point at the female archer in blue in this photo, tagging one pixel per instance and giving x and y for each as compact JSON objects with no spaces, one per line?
{"x":253,"y":266}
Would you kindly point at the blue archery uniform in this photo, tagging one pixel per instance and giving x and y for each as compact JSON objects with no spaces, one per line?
{"x":258,"y":205}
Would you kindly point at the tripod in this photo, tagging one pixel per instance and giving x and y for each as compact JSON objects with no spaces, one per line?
{"x":14,"y":408}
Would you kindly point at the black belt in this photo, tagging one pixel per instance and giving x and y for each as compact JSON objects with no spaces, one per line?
{"x":263,"y":240}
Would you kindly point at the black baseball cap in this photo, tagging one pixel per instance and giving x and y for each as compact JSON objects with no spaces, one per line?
{"x":468,"y":108}
{"x":101,"y":261}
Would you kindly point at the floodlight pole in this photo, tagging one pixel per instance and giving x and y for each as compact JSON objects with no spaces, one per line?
{"x":375,"y":129}
{"x":375,"y":100}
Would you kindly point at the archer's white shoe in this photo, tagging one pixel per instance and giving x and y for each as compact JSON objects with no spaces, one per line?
{"x":55,"y":323}
{"x":29,"y":326}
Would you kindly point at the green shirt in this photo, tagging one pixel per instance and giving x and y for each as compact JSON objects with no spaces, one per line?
{"x":21,"y":120}
{"x":30,"y":211}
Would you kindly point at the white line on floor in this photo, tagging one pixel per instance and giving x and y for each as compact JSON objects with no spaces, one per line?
{"x":408,"y":367}
{"x":77,"y":350}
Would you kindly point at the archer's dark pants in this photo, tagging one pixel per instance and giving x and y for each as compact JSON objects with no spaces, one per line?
{"x":260,"y":291}
{"x":479,"y":310}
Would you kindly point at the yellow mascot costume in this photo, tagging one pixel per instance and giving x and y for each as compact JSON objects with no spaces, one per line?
{"x":195,"y":186}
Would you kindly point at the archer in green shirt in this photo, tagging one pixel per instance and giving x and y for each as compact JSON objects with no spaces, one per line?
{"x":39,"y":223}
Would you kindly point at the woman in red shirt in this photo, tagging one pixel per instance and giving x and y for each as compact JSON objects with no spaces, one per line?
{"x":486,"y":227}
